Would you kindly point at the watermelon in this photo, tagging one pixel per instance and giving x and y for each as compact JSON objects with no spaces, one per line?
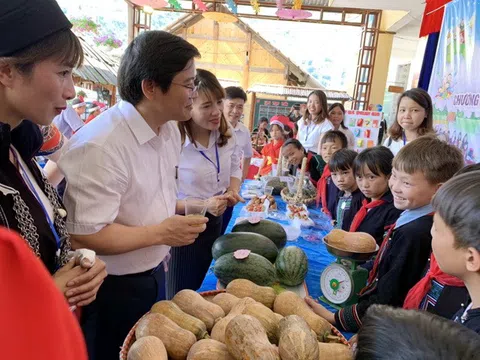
{"x":255,"y":268}
{"x":256,"y":243}
{"x":270,"y":229}
{"x":291,"y":266}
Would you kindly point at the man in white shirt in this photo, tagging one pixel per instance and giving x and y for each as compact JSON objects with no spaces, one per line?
{"x":121,"y":194}
{"x":233,"y":111}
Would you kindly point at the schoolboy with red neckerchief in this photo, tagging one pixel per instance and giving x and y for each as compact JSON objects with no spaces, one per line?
{"x":419,"y":170}
{"x":327,"y":192}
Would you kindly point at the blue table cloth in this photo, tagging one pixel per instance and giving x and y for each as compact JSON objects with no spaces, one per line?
{"x":310,"y":241}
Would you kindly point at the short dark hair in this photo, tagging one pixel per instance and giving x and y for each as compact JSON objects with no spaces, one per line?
{"x":62,"y":45}
{"x":235,"y":92}
{"x":468,"y":169}
{"x":378,"y":159}
{"x":332,"y":135}
{"x":342,"y":108}
{"x":437,"y":160}
{"x":457,"y":202}
{"x":294,"y":142}
{"x":153,"y":55}
{"x":342,"y":160}
{"x":422,"y":98}
{"x":289,"y":131}
{"x":263,"y":119}
{"x":396,"y":334}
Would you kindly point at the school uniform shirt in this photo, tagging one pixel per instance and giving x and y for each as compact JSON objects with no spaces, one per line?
{"x":395,"y":145}
{"x":120,"y":171}
{"x":20,"y":209}
{"x":328,"y":189}
{"x":469,"y":317}
{"x":345,"y":208}
{"x":378,"y":218}
{"x":68,"y":122}
{"x":310,"y":135}
{"x":271,"y":152}
{"x":399,"y":266}
{"x":199,"y":174}
{"x":243,"y":140}
{"x":350,"y":137}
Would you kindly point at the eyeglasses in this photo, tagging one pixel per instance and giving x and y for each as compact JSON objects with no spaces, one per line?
{"x":189,"y":87}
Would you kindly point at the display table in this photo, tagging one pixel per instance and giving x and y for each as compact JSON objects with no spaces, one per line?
{"x":309,"y":241}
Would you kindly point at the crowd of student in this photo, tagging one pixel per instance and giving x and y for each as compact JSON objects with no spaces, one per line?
{"x":129,"y":170}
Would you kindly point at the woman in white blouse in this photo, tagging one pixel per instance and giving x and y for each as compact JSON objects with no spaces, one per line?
{"x":315,"y":121}
{"x":209,"y":169}
{"x":336,"y":114}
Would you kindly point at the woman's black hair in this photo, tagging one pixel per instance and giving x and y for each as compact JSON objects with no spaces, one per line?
{"x":396,"y":334}
{"x":378,"y":159}
{"x":342,"y":160}
{"x":342,"y":108}
{"x":153,"y":55}
{"x":263,"y":119}
{"x":289,"y":131}
{"x":332,"y":135}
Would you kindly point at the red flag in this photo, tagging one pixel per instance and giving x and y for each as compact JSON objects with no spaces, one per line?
{"x":433,"y":17}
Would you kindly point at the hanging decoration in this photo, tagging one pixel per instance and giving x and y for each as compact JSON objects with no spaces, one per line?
{"x":256,"y":6}
{"x":297,"y":4}
{"x":175,"y":4}
{"x":200,"y":5}
{"x":295,"y":13}
{"x":232,"y":6}
{"x":155,"y":4}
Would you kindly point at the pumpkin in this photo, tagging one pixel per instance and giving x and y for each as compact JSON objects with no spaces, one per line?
{"x":147,"y":348}
{"x":289,"y":303}
{"x":267,"y":318}
{"x":334,"y":352}
{"x":209,"y":349}
{"x":177,"y":341}
{"x":296,"y":341}
{"x":246,"y":339}
{"x":245,"y":288}
{"x":194,"y":304}
{"x":356,"y":242}
{"x":225,"y":301}
{"x":185,"y":321}
{"x":218,"y":331}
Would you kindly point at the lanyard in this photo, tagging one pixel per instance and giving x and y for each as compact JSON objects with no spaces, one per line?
{"x":308,"y":131}
{"x":30,"y":185}
{"x":217,"y":167}
{"x":404,"y":138}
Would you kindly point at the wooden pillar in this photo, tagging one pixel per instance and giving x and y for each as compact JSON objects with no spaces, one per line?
{"x":131,"y":22}
{"x":216,"y":34}
{"x":246,"y":66}
{"x":253,"y":101}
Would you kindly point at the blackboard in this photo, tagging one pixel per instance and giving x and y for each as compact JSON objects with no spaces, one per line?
{"x":271,"y":107}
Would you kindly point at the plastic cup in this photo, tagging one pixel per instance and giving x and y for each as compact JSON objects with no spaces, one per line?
{"x":268,"y":190}
{"x":195,"y":207}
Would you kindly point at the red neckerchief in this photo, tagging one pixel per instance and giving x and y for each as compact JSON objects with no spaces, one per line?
{"x":420,"y":290}
{"x":362,"y":213}
{"x":322,"y":189}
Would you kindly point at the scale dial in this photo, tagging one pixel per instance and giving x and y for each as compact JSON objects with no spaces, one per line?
{"x":336,"y":284}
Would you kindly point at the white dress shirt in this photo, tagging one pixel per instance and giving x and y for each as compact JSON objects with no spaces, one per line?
{"x":119,"y":171}
{"x":310,"y":135}
{"x":395,"y":145}
{"x":68,"y":122}
{"x":199,"y":177}
{"x":244,"y":140}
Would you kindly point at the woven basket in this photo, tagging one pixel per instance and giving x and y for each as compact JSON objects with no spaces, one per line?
{"x":130,"y":339}
{"x":289,"y":198}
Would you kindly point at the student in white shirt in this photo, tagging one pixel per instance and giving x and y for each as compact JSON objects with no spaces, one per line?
{"x":233,"y":110}
{"x":209,"y":169}
{"x":315,"y":122}
{"x":336,"y":114}
{"x":121,"y":193}
{"x":414,"y":119}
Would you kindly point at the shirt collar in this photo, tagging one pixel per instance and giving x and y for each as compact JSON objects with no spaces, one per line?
{"x":387,"y":197}
{"x":137,"y":124}
{"x":411,"y":215}
{"x":214,"y":135}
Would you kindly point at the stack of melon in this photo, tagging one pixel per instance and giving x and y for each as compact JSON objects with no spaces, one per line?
{"x":268,"y":260}
{"x":247,"y":322}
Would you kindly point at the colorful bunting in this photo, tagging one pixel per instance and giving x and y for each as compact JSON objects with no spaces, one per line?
{"x":297,"y":4}
{"x":233,"y":7}
{"x":175,"y":4}
{"x":200,"y":5}
{"x":256,"y":6}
